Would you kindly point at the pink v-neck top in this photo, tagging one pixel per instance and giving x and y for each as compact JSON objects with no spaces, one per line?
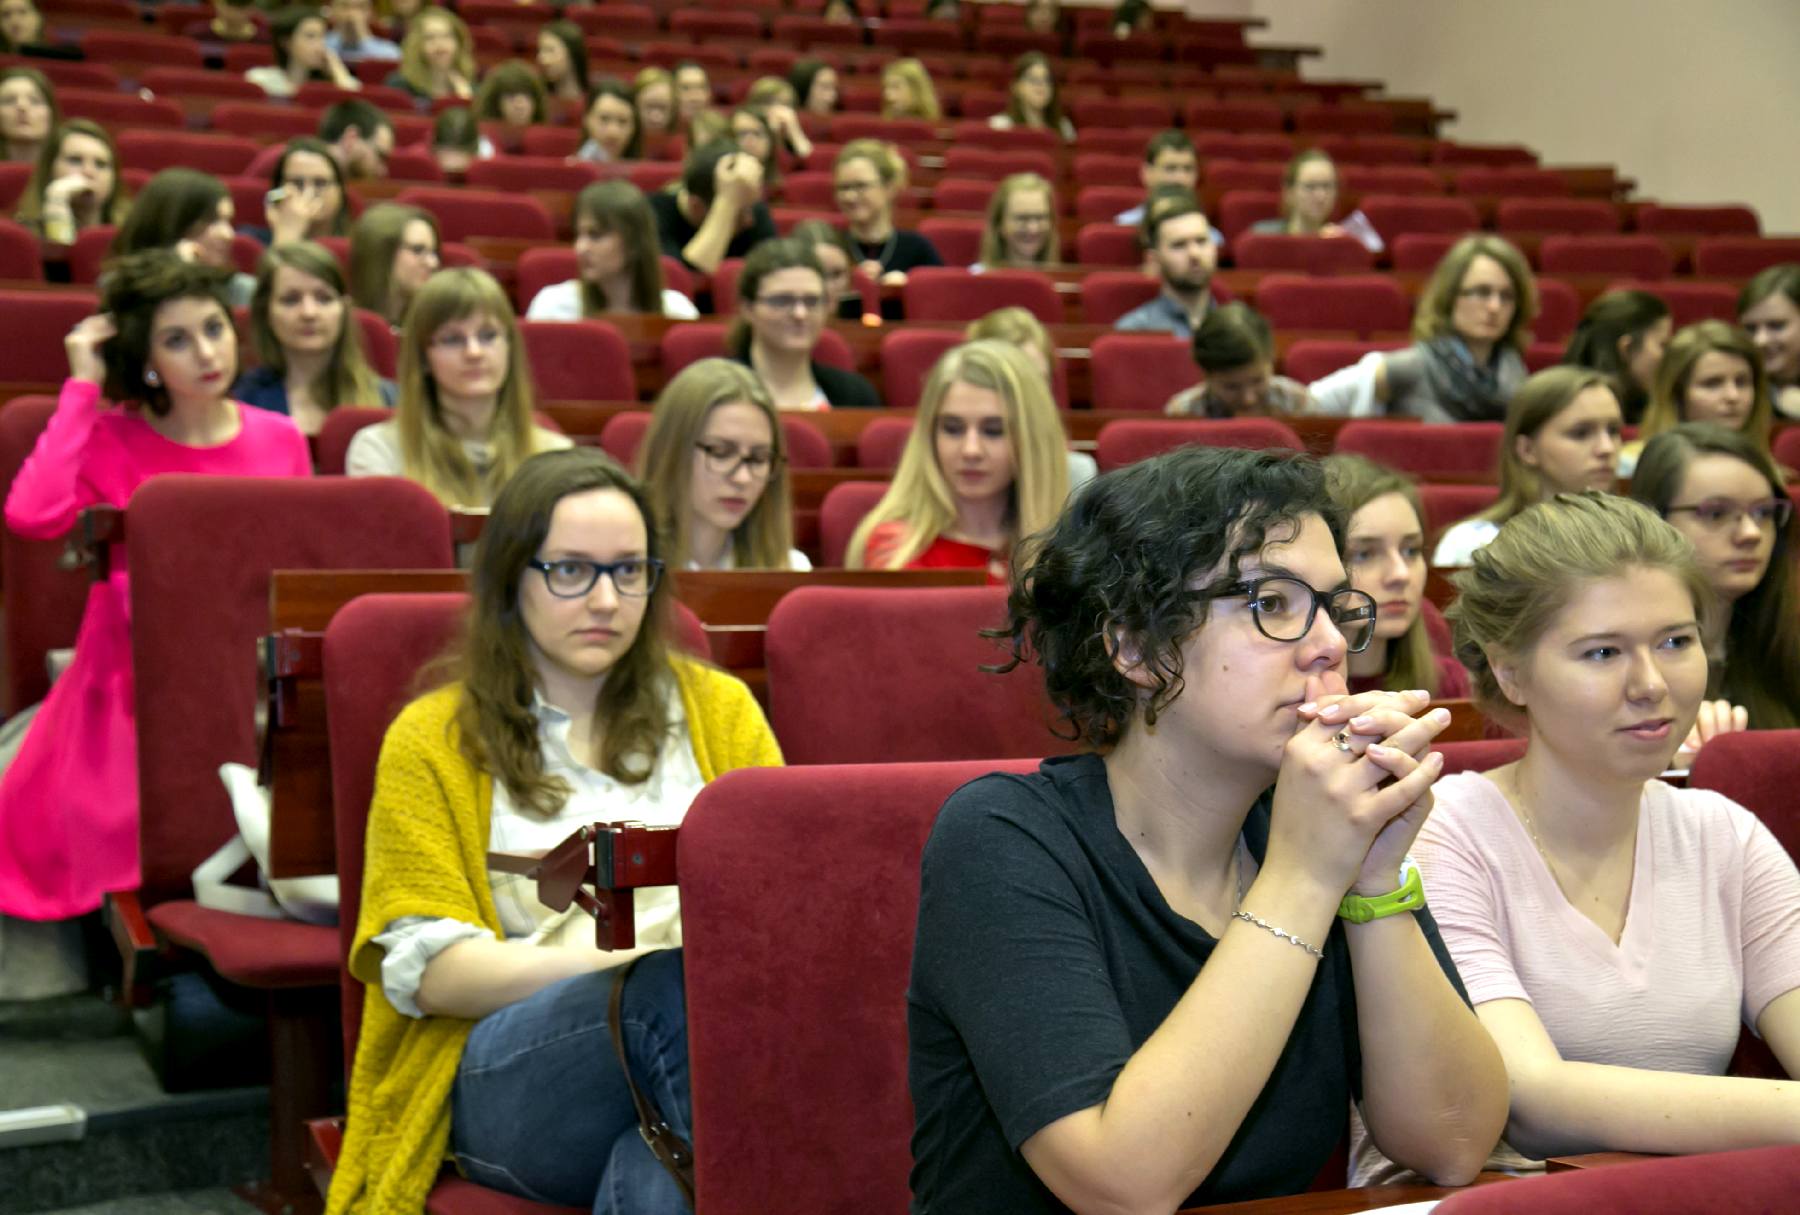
{"x":1711,"y":936}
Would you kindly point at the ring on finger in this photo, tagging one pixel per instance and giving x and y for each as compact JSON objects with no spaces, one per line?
{"x":1341,"y":740}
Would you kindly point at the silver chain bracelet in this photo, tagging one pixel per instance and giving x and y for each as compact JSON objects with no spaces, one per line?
{"x":1289,"y":937}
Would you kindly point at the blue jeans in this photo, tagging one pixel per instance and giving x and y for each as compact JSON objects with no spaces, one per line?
{"x":540,"y":1108}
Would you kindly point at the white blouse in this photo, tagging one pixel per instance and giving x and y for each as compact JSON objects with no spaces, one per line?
{"x":562,"y":302}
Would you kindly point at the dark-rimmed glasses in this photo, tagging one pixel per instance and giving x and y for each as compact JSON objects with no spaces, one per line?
{"x":724,"y":459}
{"x":573,"y":577}
{"x":1284,"y":608}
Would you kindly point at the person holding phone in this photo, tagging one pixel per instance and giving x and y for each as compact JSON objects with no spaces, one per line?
{"x":306,"y":198}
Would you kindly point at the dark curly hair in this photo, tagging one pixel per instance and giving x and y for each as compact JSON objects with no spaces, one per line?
{"x":1122,"y":559}
{"x":131,"y":290}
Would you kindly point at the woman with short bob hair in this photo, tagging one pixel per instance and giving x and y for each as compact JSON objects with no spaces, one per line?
{"x":394,"y":249}
{"x":512,"y":95}
{"x":1384,"y":552}
{"x":1726,"y":495}
{"x":984,"y":468}
{"x":907,"y":92}
{"x":190,"y":213}
{"x":1623,"y":334}
{"x":1205,"y":919}
{"x":781,"y":312}
{"x":1021,"y":225}
{"x":1562,"y":435}
{"x":618,"y":258}
{"x":74,"y":185}
{"x":1768,"y":310}
{"x":1616,"y":934}
{"x":463,"y":418}
{"x":1710,"y":372}
{"x":565,"y":706}
{"x":715,"y":466}
{"x":1469,"y":332}
{"x":437,"y":57}
{"x":308,"y":340}
{"x":163,"y":347}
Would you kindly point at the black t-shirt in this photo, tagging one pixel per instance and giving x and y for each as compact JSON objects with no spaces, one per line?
{"x":900,"y":251}
{"x":1046,"y":956}
{"x":674,"y":230}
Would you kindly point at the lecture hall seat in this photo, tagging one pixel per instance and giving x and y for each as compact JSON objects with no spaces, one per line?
{"x":462,"y":213}
{"x":44,"y":600}
{"x":1363,"y":304}
{"x":806,"y":445}
{"x":1139,"y":371}
{"x":1126,"y":442}
{"x":585,"y":360}
{"x":950,"y":293}
{"x":1465,"y":449}
{"x":1760,"y":1179}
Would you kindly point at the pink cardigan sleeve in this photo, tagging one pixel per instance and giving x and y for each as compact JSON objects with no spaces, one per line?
{"x":49,"y":490}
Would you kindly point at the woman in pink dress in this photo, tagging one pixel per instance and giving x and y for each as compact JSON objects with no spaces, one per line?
{"x":163,"y":340}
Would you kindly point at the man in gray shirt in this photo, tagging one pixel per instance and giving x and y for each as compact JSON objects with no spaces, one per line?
{"x":1179,"y":240}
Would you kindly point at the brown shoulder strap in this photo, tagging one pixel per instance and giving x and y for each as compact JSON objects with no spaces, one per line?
{"x":671,"y":1151}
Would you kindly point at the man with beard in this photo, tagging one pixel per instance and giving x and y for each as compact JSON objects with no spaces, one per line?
{"x":1178,"y":239}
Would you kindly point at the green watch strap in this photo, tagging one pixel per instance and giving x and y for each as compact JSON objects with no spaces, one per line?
{"x":1409,"y":897}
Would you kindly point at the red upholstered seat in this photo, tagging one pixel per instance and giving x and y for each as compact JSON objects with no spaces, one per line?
{"x":117,"y":111}
{"x":1689,"y":301}
{"x":463,"y":213}
{"x":35,"y":323}
{"x":1391,"y":179}
{"x":845,"y":127}
{"x":198,"y":82}
{"x":1465,"y":449}
{"x":1758,"y":769}
{"x":1480,"y":755}
{"x":44,"y":601}
{"x":1140,"y":371}
{"x":1207,"y":115}
{"x":118,"y":46}
{"x":1559,"y":310}
{"x":1109,"y":244}
{"x":1420,"y":252}
{"x":818,"y":1006}
{"x":1358,"y":303}
{"x":1315,"y":358}
{"x":1564,"y":215}
{"x":264,"y":118}
{"x":841,"y":511}
{"x":907,"y":357}
{"x":1301,"y":254}
{"x":1108,"y":295}
{"x":20,"y":256}
{"x":1514,"y":180}
{"x":1106,"y":169}
{"x":1761,"y":1179}
{"x":1698,"y":221}
{"x":263,"y":954}
{"x":883,"y":439}
{"x":1637,"y":256}
{"x":1343,"y":119}
{"x":579,"y":361}
{"x":1121,"y":112}
{"x":14,"y":174}
{"x":1127,"y":442}
{"x":958,"y":240}
{"x":518,"y":174}
{"x":341,"y":425}
{"x":623,"y":434}
{"x":1447,"y":504}
{"x":616,"y":20}
{"x":958,"y":194}
{"x":1098,"y":204}
{"x":222,"y":155}
{"x":701,"y":25}
{"x":1742,"y":256}
{"x":1396,"y":214}
{"x":1241,"y":207}
{"x":948,"y":293}
{"x":1450,"y":152}
{"x":1787,"y":444}
{"x":686,"y":343}
{"x":897,"y":708}
{"x":996,"y":163}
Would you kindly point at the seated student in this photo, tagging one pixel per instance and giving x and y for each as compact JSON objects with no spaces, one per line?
{"x":21,"y":25}
{"x":566,"y":706}
{"x":1384,"y":551}
{"x":748,"y":127}
{"x":1155,"y":975}
{"x":351,"y":38}
{"x":28,"y":113}
{"x":399,"y":15}
{"x":463,"y":417}
{"x":74,"y":185}
{"x":716,"y":211}
{"x":393,"y":250}
{"x":842,"y":12}
{"x":619,"y":261}
{"x":610,"y":123}
{"x":907,"y":92}
{"x":1032,"y":101}
{"x":1018,"y":327}
{"x":1614,"y":932}
{"x":1043,"y":16}
{"x":1309,"y":194}
{"x":1169,"y":160}
{"x":815,"y":86}
{"x":163,"y":346}
{"x":512,"y":96}
{"x":308,"y":341}
{"x":1469,"y":333}
{"x":232,"y":22}
{"x":301,"y":55}
{"x":1235,"y":351}
{"x":653,"y":92}
{"x":836,"y":257}
{"x":1725,"y":494}
{"x":457,"y":142}
{"x":437,"y":57}
{"x":1624,"y":334}
{"x":1769,"y":311}
{"x":869,"y":178}
{"x":1178,"y":240}
{"x":306,"y":198}
{"x":774,"y":100}
{"x":361,"y":138}
{"x":714,"y":467}
{"x":693,"y":92}
{"x":984,"y":469}
{"x":1562,"y":436}
{"x":1710,"y":372}
{"x":1021,"y":226}
{"x":189,"y":212}
{"x":562,"y":64}
{"x":781,"y":312}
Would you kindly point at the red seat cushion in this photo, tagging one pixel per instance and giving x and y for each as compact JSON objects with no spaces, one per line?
{"x":250,"y":951}
{"x":1761,"y":1179}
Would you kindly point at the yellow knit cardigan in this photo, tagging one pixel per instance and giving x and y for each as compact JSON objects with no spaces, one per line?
{"x":427,"y":855}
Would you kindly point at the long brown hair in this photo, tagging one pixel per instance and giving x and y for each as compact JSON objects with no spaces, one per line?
{"x":374,"y":242}
{"x":1354,"y":482}
{"x":31,"y":202}
{"x":499,"y":730}
{"x":620,"y":208}
{"x":346,"y":378}
{"x":1015,"y":109}
{"x":1431,"y":317}
{"x":1668,"y":394}
{"x":1534,"y":406}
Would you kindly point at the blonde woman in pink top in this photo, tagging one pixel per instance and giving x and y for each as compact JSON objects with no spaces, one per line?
{"x":164,"y":341}
{"x":1613,"y":931}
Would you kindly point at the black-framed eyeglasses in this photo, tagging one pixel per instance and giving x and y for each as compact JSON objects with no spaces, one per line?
{"x":724,"y":459}
{"x":573,"y":577}
{"x":1723,"y":512}
{"x":1284,"y":608}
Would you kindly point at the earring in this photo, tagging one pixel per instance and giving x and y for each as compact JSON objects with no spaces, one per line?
{"x":152,"y":379}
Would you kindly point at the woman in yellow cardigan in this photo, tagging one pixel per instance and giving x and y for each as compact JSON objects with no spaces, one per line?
{"x":485,"y":1035}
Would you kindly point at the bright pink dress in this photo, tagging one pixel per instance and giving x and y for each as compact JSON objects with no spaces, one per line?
{"x":68,"y":803}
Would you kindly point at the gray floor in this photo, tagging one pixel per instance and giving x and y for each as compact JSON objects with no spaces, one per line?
{"x":189,"y":1202}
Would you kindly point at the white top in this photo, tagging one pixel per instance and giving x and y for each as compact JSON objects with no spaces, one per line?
{"x":796,"y":560}
{"x":1456,"y":547}
{"x":375,"y":450}
{"x":1004,"y":122}
{"x":411,"y":942}
{"x":272,"y":80}
{"x":562,"y":302}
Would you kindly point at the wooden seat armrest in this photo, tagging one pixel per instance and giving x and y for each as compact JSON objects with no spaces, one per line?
{"x":137,"y":944}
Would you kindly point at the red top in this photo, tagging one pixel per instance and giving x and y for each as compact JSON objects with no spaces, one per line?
{"x":1452,"y":680}
{"x":942,"y":553}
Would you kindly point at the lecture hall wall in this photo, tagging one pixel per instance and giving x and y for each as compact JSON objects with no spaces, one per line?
{"x":1699,"y":102}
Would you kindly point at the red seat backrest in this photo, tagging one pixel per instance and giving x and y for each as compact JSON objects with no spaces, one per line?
{"x":1465,"y":449}
{"x":340,"y":427}
{"x":35,"y":324}
{"x":1742,"y":256}
{"x":1394,"y":214}
{"x":1447,"y":504}
{"x":44,"y":601}
{"x":1107,"y":295}
{"x":907,"y":357}
{"x":579,"y":361}
{"x":1479,"y":755}
{"x":1698,"y":221}
{"x":1124,"y":443}
{"x":1759,"y":770}
{"x":842,"y":510}
{"x":1302,"y":254}
{"x":1109,"y":244}
{"x":1689,"y":301}
{"x":1562,"y":215}
{"x":958,"y":240}
{"x":1559,"y":310}
{"x":1314,"y":358}
{"x":949,"y":293}
{"x":462,"y":212}
{"x":1637,"y":256}
{"x":1140,"y":371}
{"x":20,"y":256}
{"x":517,"y":174}
{"x":1364,"y":303}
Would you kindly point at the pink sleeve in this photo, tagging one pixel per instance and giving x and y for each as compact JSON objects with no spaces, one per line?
{"x":1771,"y":920}
{"x":1460,"y":889}
{"x":48,"y":492}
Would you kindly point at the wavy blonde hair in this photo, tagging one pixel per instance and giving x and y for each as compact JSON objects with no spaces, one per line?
{"x":921,"y":498}
{"x":430,"y":454}
{"x":1431,"y":318}
{"x":413,"y":68}
{"x":1668,"y":393}
{"x":912,"y":74}
{"x":666,"y":464}
{"x":993,"y":243}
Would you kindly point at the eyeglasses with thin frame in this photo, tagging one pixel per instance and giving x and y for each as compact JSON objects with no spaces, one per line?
{"x":1770,"y":513}
{"x":1284,"y":608}
{"x":788,"y":303}
{"x":724,"y":459}
{"x":574,"y":577}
